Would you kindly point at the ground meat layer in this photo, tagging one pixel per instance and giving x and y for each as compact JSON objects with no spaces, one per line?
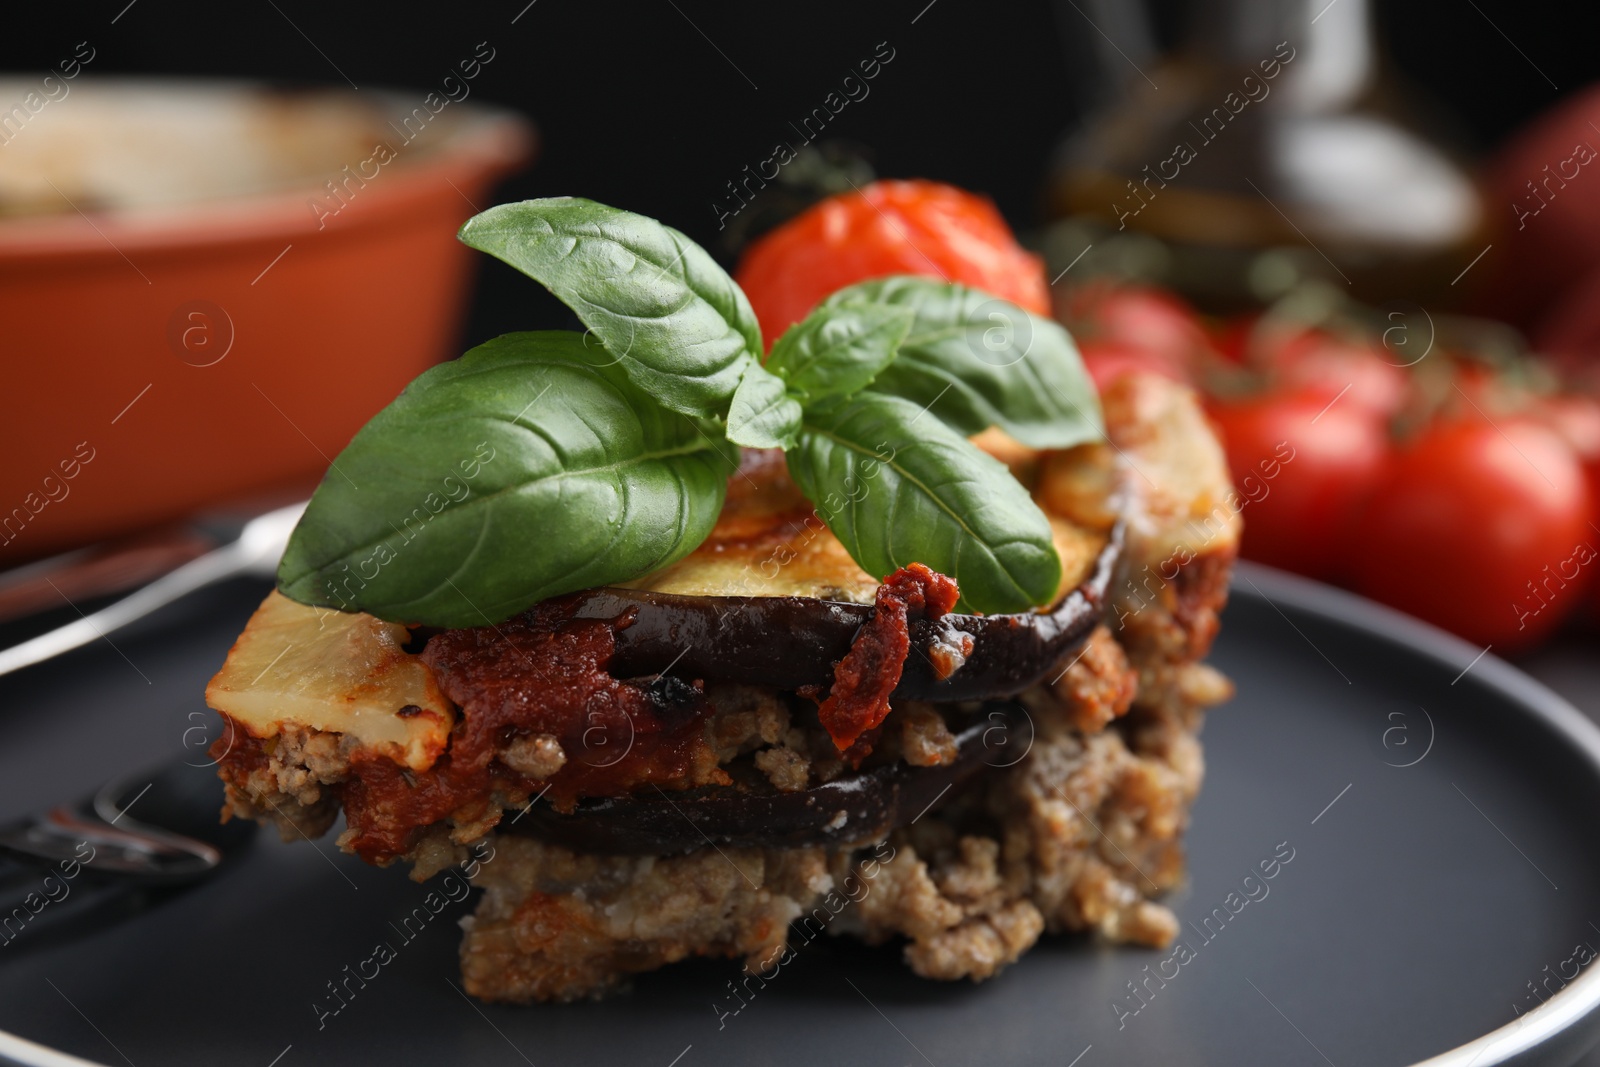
{"x":1078,"y":836}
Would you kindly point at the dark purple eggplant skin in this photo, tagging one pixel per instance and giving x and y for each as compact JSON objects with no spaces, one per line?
{"x":871,"y":803}
{"x":790,"y":642}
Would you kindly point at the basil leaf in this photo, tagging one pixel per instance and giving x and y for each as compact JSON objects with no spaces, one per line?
{"x":980,"y":361}
{"x":518,"y":472}
{"x":897,"y":486}
{"x":763,"y":414}
{"x":837,"y":351}
{"x":659,"y":303}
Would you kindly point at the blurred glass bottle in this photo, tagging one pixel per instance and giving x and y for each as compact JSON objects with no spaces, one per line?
{"x":1273,"y":127}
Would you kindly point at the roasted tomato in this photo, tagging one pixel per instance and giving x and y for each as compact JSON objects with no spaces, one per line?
{"x":889,"y":227}
{"x":1482,"y":528}
{"x":1303,"y":466}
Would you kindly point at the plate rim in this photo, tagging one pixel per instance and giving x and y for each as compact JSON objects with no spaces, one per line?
{"x":1568,"y":1013}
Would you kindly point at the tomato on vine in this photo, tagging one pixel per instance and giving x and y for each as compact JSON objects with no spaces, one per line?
{"x":1482,"y":528}
{"x":1329,"y":455}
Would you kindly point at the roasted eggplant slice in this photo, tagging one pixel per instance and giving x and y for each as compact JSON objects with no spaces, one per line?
{"x":772,"y":598}
{"x":791,"y":642}
{"x":863,"y":806}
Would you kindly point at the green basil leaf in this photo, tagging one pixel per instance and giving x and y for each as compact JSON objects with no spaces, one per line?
{"x":838,"y":350}
{"x":763,"y":414}
{"x":659,"y":303}
{"x":518,"y":472}
{"x":897,"y":486}
{"x":980,"y":361}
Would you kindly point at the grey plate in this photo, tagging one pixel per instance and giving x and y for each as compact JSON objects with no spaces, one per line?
{"x":1420,"y":903}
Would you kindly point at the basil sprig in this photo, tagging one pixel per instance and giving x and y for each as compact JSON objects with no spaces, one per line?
{"x":544,"y":463}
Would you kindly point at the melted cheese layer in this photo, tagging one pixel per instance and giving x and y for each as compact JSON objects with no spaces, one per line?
{"x":342,"y":672}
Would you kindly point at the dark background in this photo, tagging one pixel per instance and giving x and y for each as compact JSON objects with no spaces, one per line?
{"x":636,"y":106}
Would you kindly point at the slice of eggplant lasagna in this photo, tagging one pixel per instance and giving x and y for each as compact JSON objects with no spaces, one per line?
{"x":760,"y":740}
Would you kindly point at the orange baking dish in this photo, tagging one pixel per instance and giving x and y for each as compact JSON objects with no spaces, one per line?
{"x":188,"y":349}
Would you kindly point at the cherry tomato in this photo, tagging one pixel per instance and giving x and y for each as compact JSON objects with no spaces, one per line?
{"x":1108,"y":360}
{"x":1577,"y":420}
{"x":1482,"y":528}
{"x":1139,"y":317}
{"x":1302,"y":469}
{"x":1233,"y":339}
{"x":1326,"y":364}
{"x":1550,"y":247}
{"x":889,"y":227}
